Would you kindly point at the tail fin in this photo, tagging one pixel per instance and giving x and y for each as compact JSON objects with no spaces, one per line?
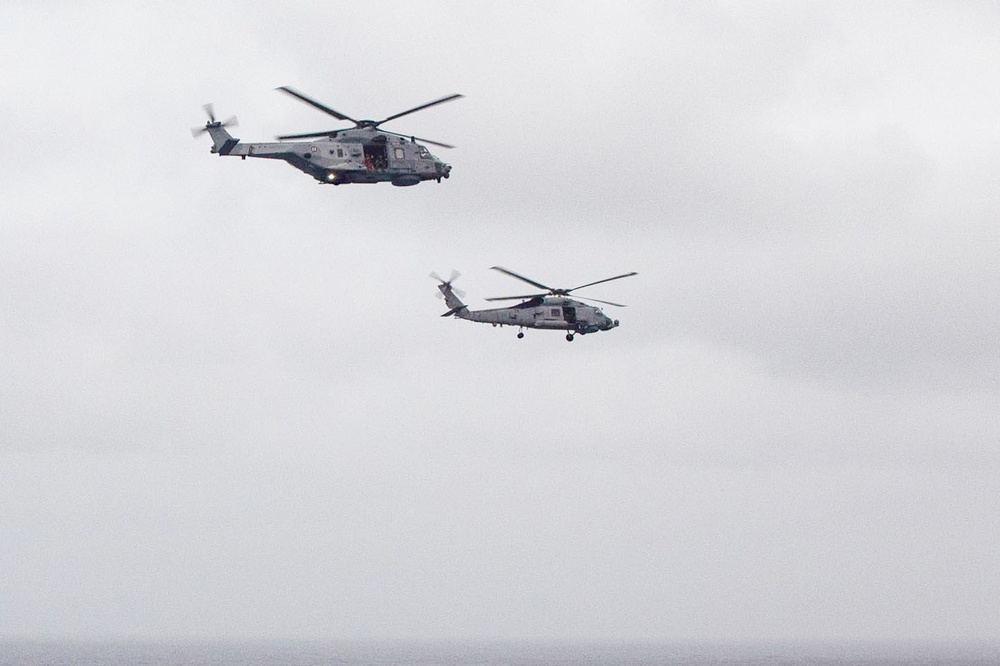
{"x":222,"y":141}
{"x":451,"y":295}
{"x":457,"y":306}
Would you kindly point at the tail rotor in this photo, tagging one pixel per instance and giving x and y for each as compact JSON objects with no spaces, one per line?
{"x":452,"y":297}
{"x":212,"y":122}
{"x":447,"y":284}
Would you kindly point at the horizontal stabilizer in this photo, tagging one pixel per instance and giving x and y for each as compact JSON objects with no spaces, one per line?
{"x":453,"y":311}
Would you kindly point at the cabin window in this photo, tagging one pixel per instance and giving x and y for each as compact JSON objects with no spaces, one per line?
{"x":340,"y":152}
{"x":554,"y":312}
{"x":398,"y":153}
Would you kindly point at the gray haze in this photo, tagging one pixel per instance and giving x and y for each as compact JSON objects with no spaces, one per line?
{"x":229,"y":408}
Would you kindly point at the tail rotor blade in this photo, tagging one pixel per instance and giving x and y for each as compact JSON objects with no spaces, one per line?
{"x":212,"y":122}
{"x":454,"y":276}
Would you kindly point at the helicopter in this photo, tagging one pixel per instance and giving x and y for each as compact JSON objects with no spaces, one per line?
{"x":360,"y":154}
{"x":549,"y":310}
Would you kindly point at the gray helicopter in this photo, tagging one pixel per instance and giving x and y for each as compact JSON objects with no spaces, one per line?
{"x":361,"y":154}
{"x":550,"y":310}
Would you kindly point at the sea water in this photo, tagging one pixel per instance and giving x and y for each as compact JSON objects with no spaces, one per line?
{"x":314,"y":653}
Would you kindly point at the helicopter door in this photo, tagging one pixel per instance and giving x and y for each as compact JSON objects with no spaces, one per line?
{"x":376,"y":158}
{"x":569,"y":314}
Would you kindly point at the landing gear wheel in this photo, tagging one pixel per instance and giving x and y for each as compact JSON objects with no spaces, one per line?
{"x":569,"y":337}
{"x":520,"y":335}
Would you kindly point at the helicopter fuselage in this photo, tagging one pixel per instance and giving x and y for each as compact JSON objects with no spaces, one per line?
{"x":554,"y":310}
{"x":362,"y":155}
{"x":550,"y":312}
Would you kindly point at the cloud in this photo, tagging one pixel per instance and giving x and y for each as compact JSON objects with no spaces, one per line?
{"x":230,"y":408}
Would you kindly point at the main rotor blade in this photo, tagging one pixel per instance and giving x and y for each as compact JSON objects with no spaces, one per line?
{"x":590,"y":284}
{"x":310,"y":101}
{"x":422,"y":106}
{"x":597,"y":300}
{"x":417,"y":138}
{"x":522,"y":278}
{"x":309,"y":135}
{"x":531,"y":296}
{"x":514,"y":298}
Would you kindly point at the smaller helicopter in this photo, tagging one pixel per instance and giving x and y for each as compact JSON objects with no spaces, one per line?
{"x":360,"y":154}
{"x":549,"y":310}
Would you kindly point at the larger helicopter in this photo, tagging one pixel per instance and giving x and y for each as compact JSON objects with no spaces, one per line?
{"x":549,"y":310}
{"x":360,"y":154}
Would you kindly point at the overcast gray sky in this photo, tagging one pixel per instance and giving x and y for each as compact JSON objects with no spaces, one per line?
{"x":229,"y":408}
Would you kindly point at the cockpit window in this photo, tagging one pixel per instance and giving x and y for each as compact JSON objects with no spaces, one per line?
{"x":423,"y":153}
